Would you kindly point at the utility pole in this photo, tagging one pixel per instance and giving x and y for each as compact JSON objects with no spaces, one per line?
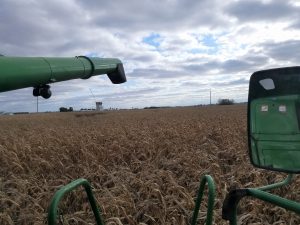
{"x":37,"y":104}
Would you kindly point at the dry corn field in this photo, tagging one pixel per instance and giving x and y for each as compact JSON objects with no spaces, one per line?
{"x":144,"y":166}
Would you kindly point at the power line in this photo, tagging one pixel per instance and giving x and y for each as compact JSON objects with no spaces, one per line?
{"x":92,"y":94}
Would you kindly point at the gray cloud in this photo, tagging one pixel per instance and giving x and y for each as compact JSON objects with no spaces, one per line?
{"x":241,"y":81}
{"x":250,"y":62}
{"x":191,"y":84}
{"x":254,"y":10}
{"x":286,"y":51}
{"x":235,"y":65}
{"x":135,"y":93}
{"x":26,"y":27}
{"x":295,"y":25}
{"x":151,"y":73}
{"x":154,"y":15}
{"x":49,"y":28}
{"x":226,"y":82}
{"x":202,"y":68}
{"x":166,"y":73}
{"x":245,"y":64}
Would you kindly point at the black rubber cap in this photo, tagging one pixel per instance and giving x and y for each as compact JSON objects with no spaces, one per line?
{"x":118,"y":76}
{"x":231,"y":201}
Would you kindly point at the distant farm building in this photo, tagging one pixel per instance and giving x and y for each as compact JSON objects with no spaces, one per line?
{"x":99,"y":106}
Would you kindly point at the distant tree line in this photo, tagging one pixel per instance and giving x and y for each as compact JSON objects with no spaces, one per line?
{"x":87,"y":109}
{"x":225,"y":101}
{"x":63,"y":109}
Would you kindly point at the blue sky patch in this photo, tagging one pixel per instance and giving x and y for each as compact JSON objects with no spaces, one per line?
{"x":209,"y":51}
{"x":208,"y":45}
{"x":197,"y":51}
{"x":209,"y":41}
{"x":94,"y":54}
{"x":152,"y":39}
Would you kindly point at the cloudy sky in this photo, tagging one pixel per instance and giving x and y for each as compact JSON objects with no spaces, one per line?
{"x":174,"y":51}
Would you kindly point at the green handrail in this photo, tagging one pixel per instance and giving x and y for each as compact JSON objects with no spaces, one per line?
{"x":274,"y":199}
{"x":211,"y":200}
{"x":230,"y":204}
{"x":267,"y":197}
{"x":269,"y":187}
{"x":52,"y":213}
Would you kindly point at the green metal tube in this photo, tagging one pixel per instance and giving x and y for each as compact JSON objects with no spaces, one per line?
{"x":269,"y":187}
{"x":232,"y":199}
{"x":52,"y":212}
{"x":211,"y":199}
{"x":22,"y":72}
{"x":276,"y":200}
{"x":234,"y":219}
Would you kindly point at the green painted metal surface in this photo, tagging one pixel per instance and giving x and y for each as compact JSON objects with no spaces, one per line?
{"x":275,"y":134}
{"x":52,"y":212}
{"x":270,"y":198}
{"x":276,"y":200}
{"x":270,"y":187}
{"x":274,"y":119}
{"x":211,"y":200}
{"x":233,"y":198}
{"x":22,"y":72}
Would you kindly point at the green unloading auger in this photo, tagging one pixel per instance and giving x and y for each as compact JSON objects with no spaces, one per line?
{"x":39,"y":72}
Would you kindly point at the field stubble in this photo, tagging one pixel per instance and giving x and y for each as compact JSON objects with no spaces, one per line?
{"x":144,"y":165}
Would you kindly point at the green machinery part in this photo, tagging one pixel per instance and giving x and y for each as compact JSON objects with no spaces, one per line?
{"x":206,"y":179}
{"x":52,"y":213}
{"x":274,"y":119}
{"x":229,"y":210}
{"x":53,"y":217}
{"x":38,"y":72}
{"x":273,"y":135}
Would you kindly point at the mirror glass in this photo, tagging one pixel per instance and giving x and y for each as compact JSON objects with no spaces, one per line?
{"x":267,"y":84}
{"x":274,"y":119}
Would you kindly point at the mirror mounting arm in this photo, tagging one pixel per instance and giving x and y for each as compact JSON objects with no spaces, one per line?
{"x":229,"y":209}
{"x":269,"y":187}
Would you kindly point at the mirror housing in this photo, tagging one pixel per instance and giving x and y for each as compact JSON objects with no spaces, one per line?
{"x":273,"y":119}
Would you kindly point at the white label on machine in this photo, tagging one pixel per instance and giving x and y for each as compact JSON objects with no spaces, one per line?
{"x":282,"y":108}
{"x":264,"y":108}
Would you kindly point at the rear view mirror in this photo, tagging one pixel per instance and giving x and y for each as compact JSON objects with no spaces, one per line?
{"x":274,"y":119}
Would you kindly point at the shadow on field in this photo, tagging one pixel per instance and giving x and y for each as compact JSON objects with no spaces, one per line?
{"x":90,"y":114}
